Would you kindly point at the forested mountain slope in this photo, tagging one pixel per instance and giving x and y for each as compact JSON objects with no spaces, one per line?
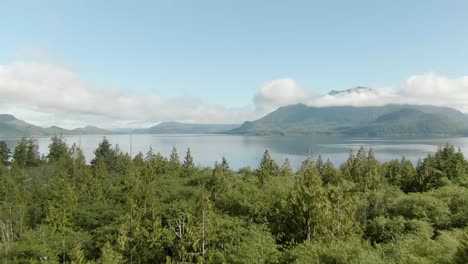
{"x":359,"y":121}
{"x":186,"y":128}
{"x":10,"y":126}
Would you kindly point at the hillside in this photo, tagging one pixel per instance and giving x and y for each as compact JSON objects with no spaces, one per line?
{"x":10,"y":126}
{"x":184,"y":128}
{"x":388,"y":120}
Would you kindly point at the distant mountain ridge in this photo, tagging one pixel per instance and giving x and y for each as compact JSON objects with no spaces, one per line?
{"x":387,"y":120}
{"x":186,"y":128}
{"x":358,"y":89}
{"x":10,"y":126}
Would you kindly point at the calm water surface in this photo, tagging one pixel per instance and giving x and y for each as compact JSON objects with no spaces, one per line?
{"x":247,"y":150}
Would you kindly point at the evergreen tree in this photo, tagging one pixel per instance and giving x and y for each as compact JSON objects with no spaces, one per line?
{"x":373,"y":177}
{"x":267,"y":168}
{"x":80,"y":173}
{"x":174,"y":162}
{"x":58,"y":149}
{"x":286,"y":169}
{"x":401,"y":174}
{"x":4,"y":153}
{"x":308,"y":205}
{"x":62,"y":209}
{"x":188,"y":166}
{"x":330,"y":174}
{"x":26,"y":153}
{"x":150,"y":154}
{"x":138,"y":160}
{"x":33,"y":156}
{"x":348,"y":166}
{"x":188,"y":161}
{"x":106,"y":153}
{"x":224,"y":164}
{"x":341,"y":218}
{"x":319,"y":164}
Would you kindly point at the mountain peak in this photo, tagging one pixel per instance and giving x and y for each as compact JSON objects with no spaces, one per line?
{"x":6,"y":118}
{"x":357,"y":89}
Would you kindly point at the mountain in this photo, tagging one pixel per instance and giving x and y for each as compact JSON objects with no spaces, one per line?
{"x":184,"y":128}
{"x":10,"y":126}
{"x":388,"y":120}
{"x":355,"y":90}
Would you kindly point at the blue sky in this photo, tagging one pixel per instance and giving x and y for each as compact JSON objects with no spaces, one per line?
{"x":223,"y":51}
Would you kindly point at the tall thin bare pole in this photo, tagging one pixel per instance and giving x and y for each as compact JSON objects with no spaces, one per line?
{"x":131,"y":143}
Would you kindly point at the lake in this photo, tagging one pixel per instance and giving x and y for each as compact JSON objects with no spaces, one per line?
{"x":247,"y":150}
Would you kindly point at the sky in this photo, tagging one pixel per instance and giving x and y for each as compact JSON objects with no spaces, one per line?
{"x":136,"y":63}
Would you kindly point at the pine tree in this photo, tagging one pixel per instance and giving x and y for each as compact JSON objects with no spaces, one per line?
{"x":188,"y":166}
{"x":188,"y":161}
{"x":150,"y":154}
{"x":174,"y":162}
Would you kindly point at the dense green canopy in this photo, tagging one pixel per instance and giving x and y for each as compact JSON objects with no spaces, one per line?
{"x":152,"y":209}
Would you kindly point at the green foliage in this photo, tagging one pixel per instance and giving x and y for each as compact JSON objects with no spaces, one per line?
{"x":124,"y":210}
{"x":58,"y":149}
{"x":286,"y":170}
{"x":4,"y":154}
{"x":26,"y":153}
{"x":309,"y":206}
{"x":461,"y":256}
{"x":266,"y":169}
{"x":342,"y":252}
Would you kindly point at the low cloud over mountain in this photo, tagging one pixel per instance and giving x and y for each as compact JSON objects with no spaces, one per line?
{"x":430,"y":89}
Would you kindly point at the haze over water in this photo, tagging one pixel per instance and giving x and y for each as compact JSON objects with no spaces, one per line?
{"x":247,"y":150}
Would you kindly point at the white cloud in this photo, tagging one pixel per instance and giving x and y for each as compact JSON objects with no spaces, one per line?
{"x":437,"y":90}
{"x":373,"y":97}
{"x":280,"y":92}
{"x":48,"y":94}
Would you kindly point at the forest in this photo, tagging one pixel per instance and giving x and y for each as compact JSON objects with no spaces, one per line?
{"x":59,"y":208}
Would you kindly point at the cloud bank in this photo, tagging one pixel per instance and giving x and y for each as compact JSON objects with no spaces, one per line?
{"x":39,"y":91}
{"x":48,"y":94}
